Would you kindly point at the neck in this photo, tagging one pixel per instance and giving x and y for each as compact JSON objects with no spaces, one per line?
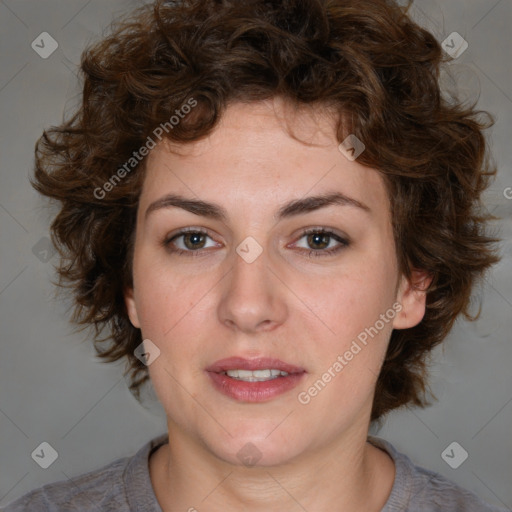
{"x":350,"y":472}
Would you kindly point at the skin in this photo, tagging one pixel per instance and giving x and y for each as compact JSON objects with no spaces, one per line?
{"x":303,"y":310}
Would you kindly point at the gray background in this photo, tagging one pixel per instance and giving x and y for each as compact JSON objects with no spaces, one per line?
{"x":51,"y":386}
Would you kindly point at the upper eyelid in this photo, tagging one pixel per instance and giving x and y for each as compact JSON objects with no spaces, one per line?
{"x":304,"y":232}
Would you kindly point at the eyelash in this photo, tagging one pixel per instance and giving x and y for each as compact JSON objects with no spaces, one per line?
{"x":310,"y":231}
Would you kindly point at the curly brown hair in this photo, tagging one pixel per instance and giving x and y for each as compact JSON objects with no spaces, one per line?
{"x":366,"y":59}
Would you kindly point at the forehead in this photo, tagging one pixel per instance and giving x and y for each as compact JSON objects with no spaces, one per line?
{"x":250,"y":158}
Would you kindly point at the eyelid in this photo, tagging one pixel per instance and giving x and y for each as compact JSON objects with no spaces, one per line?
{"x":324,"y":230}
{"x":189,"y":229}
{"x":342,"y":240}
{"x":183,"y":231}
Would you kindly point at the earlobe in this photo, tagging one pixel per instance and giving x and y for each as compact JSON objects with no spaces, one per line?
{"x":131,"y":307}
{"x":412,"y":299}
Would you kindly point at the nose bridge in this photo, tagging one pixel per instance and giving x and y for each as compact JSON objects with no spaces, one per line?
{"x":250,"y":297}
{"x":250,"y":272}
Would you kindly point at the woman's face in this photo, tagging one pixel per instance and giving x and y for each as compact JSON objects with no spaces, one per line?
{"x":254,"y":286}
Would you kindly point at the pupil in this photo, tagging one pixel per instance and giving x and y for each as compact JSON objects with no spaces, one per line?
{"x":195,"y":237}
{"x":317,"y":238}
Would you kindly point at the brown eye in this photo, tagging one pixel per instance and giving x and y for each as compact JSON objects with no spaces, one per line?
{"x":194,"y":240}
{"x":319,"y":239}
{"x":189,"y":242}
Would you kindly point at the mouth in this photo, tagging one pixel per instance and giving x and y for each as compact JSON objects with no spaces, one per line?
{"x":254,"y":380}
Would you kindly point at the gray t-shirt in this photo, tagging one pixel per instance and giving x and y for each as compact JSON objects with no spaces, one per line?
{"x":125,"y":485}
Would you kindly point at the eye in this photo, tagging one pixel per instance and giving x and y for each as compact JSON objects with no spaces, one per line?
{"x":320,"y":239}
{"x":193,"y":240}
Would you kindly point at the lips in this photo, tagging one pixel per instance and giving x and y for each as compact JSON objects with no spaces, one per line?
{"x":262,"y":363}
{"x":247,"y":391}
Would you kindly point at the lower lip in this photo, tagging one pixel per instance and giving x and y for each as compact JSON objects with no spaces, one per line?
{"x":254,"y":391}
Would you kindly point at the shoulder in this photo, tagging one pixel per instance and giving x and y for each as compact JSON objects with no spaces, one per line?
{"x":439,"y":493}
{"x":417,"y":489}
{"x":100,"y":489}
{"x":108,"y":488}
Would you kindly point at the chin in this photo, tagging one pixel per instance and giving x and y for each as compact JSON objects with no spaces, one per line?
{"x":251,"y":448}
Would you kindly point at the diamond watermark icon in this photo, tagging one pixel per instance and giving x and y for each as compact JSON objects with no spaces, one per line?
{"x":249,"y":249}
{"x":454,"y":455}
{"x":44,"y":45}
{"x":147,"y":352}
{"x":454,"y":45}
{"x":352,"y":147}
{"x":249,"y":454}
{"x":45,"y":455}
{"x":44,"y":250}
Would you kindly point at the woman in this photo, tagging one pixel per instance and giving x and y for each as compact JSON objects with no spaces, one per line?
{"x":275,"y":212}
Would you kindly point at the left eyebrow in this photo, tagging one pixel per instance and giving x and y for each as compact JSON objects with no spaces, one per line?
{"x":292,"y":208}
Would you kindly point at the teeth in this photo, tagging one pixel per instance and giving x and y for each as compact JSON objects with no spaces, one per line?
{"x":256,"y":375}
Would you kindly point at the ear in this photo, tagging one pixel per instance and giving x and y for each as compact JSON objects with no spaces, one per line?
{"x":412,"y":296}
{"x":131,"y":307}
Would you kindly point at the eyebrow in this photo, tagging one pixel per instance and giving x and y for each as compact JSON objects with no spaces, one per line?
{"x":292,"y":208}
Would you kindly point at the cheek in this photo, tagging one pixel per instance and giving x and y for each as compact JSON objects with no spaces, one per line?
{"x":173,"y":314}
{"x":352,"y":330}
{"x":165,"y":298}
{"x":347,"y":357}
{"x":346,"y":304}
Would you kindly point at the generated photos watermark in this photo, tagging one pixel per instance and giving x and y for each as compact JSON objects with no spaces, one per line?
{"x":304,"y":397}
{"x":143,"y":151}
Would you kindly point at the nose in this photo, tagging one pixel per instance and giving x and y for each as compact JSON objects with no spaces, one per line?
{"x":253,"y":296}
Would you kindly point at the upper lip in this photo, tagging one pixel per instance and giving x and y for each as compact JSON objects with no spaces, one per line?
{"x":260,"y":363}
